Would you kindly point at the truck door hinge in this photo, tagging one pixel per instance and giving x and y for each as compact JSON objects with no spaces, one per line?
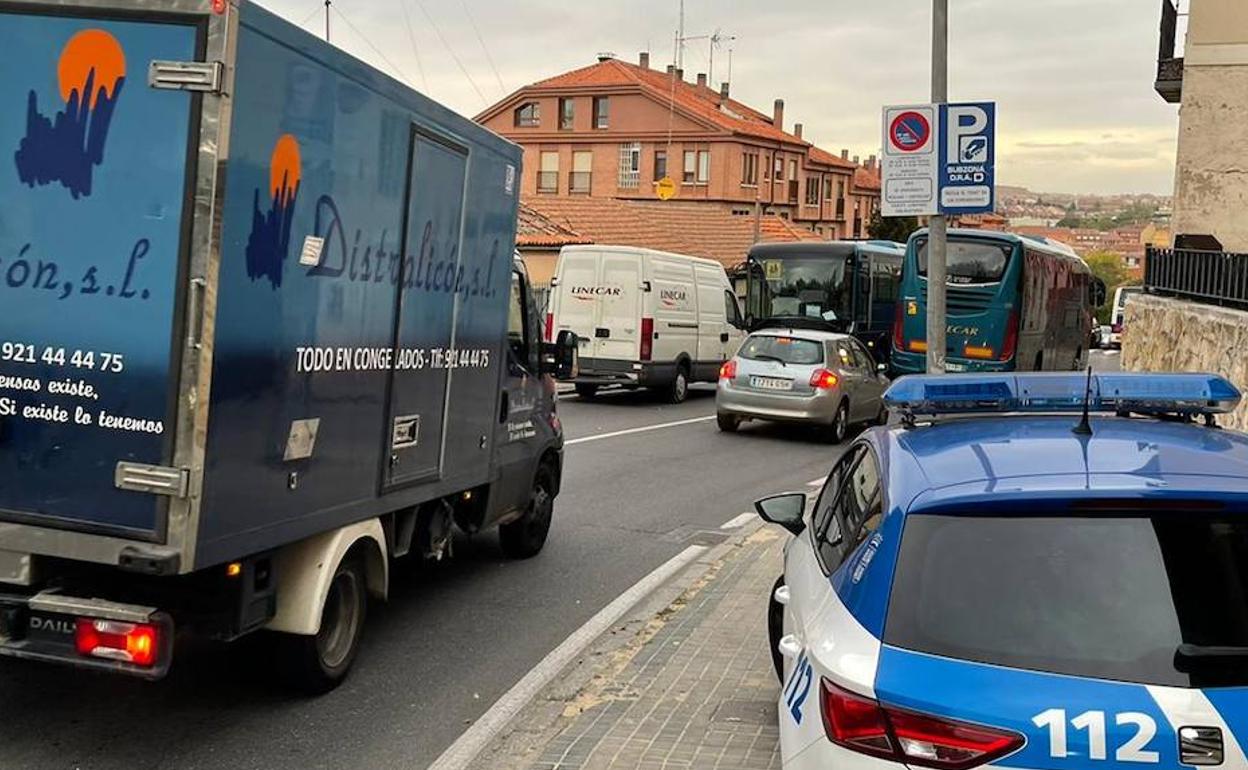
{"x":205,"y":77}
{"x":153,"y":479}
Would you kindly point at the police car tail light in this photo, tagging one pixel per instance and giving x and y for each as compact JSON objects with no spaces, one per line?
{"x":729,"y":370}
{"x":135,"y":643}
{"x":936,"y":742}
{"x":855,"y":722}
{"x":822,"y":379}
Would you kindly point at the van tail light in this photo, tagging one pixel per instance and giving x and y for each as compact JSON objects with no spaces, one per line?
{"x":729,"y":370}
{"x":862,"y":725}
{"x":550,"y":327}
{"x":647,"y":338}
{"x":899,"y":320}
{"x":1116,"y":328}
{"x":1011,"y":337}
{"x":822,"y":379}
{"x":137,"y":643}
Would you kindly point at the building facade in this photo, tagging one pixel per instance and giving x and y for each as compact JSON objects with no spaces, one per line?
{"x":613,"y":129}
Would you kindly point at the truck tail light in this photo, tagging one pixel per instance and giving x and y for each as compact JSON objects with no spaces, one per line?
{"x":729,"y":370}
{"x":647,"y":338}
{"x":862,"y":725}
{"x":218,"y":6}
{"x":822,"y":379}
{"x":1011,"y":337}
{"x":550,"y":327}
{"x":899,"y":320}
{"x":136,"y":643}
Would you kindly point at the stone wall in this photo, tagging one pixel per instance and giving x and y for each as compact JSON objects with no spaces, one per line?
{"x":1170,"y":335}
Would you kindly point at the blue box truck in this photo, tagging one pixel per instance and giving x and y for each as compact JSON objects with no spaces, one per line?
{"x":261,"y":332}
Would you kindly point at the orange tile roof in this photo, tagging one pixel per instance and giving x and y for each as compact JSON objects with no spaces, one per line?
{"x":828,"y":159}
{"x":683,"y":227}
{"x":536,"y":230}
{"x":866,"y":179}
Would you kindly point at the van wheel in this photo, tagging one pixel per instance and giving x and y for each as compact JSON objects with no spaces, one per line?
{"x":525,"y":537}
{"x":840,"y":424}
{"x":775,"y":628}
{"x":679,"y":389}
{"x":317,"y":664}
{"x":728,"y":423}
{"x":586,"y":391}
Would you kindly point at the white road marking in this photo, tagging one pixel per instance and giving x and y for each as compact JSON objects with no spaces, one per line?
{"x":463,"y":752}
{"x":737,"y":522}
{"x":631,"y":431}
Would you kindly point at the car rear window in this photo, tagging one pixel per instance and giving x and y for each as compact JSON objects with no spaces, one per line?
{"x":1111,"y":598}
{"x":790,"y":350}
{"x":971,"y":261}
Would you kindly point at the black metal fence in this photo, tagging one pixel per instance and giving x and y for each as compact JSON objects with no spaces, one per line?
{"x":1212,"y":277}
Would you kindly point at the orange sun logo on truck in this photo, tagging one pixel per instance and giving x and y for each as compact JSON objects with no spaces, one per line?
{"x":269,"y":242}
{"x":67,"y":146}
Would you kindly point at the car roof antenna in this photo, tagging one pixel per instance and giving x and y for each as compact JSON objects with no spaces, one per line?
{"x":1084,"y":428}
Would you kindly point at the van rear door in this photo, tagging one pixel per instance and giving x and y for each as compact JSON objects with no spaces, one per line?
{"x":574,"y":302}
{"x":617,"y":335}
{"x":93,"y":239}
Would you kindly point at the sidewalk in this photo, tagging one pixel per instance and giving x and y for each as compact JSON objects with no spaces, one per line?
{"x":692,"y":687}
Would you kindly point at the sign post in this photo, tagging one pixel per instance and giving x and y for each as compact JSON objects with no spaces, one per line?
{"x":937,"y":233}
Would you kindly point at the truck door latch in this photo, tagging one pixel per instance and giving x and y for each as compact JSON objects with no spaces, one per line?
{"x":202,"y":76}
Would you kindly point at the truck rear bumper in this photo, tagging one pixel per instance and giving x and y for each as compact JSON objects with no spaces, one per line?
{"x":602,"y":371}
{"x":87,"y":633}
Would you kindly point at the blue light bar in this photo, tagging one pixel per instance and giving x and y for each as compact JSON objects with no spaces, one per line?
{"x":1135,"y":392}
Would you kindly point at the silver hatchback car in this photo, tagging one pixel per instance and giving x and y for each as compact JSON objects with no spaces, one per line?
{"x":791,"y":375}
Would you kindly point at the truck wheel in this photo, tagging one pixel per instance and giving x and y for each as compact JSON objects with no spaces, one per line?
{"x":586,"y":391}
{"x":728,"y":423}
{"x":678,"y":391}
{"x":317,"y":664}
{"x":524,"y":537}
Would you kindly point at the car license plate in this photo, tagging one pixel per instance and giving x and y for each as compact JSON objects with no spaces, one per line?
{"x":771,"y":383}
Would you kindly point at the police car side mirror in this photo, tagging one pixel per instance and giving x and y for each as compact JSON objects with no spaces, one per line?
{"x":787,"y":510}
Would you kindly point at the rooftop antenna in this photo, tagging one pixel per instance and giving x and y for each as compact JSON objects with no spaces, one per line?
{"x":1084,"y":428}
{"x":680,"y":38}
{"x":327,"y":20}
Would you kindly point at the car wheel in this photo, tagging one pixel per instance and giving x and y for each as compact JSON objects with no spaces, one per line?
{"x":318,"y":663}
{"x":586,"y":391}
{"x":775,"y":628}
{"x":840,"y":424}
{"x":525,"y":537}
{"x":728,"y":423}
{"x":679,"y":389}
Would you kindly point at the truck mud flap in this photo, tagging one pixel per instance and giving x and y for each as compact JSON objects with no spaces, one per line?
{"x":87,"y":633}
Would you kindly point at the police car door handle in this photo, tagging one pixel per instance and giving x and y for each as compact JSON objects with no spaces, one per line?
{"x":789,"y":646}
{"x":782,"y":595}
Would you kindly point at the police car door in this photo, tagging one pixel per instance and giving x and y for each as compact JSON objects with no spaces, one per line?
{"x":808,"y":561}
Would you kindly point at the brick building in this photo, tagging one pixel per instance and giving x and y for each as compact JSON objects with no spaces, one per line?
{"x":613,"y":129}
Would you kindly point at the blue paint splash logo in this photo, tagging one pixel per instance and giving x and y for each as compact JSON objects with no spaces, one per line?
{"x":67,"y":147}
{"x":269,"y":242}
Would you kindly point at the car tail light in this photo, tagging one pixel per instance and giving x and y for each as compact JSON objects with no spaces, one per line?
{"x":861,"y":724}
{"x":1011,"y":337}
{"x":898,"y":321}
{"x":136,"y":643}
{"x":822,"y":379}
{"x":647,"y":338}
{"x":550,"y":327}
{"x":729,"y":370}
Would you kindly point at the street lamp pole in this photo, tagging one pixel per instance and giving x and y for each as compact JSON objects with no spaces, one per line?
{"x":937,"y":229}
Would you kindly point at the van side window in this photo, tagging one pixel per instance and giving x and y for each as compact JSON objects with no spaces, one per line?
{"x":732,"y":311}
{"x":518,"y":342}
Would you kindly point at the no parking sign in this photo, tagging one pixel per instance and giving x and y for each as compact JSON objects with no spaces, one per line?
{"x":938,"y":159}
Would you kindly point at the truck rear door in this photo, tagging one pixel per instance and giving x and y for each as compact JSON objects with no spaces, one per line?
{"x":93,"y":238}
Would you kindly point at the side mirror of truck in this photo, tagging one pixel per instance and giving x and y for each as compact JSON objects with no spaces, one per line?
{"x":1098,"y":292}
{"x":561,"y":358}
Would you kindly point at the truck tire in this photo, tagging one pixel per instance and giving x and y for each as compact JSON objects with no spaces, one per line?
{"x":525,"y":537}
{"x":586,"y":391}
{"x":319,"y":663}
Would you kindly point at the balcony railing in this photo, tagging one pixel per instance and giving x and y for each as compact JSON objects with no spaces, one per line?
{"x":548,"y":181}
{"x":1211,"y":277}
{"x":580,"y":182}
{"x":1169,"y":83}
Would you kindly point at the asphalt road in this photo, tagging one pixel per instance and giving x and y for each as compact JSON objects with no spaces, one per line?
{"x":453,"y":637}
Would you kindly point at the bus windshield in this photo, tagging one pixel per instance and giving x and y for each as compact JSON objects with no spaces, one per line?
{"x":971,"y":261}
{"x":809,"y":287}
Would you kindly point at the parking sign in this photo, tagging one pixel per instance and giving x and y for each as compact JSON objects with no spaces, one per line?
{"x":967,"y":172}
{"x":939,"y":159}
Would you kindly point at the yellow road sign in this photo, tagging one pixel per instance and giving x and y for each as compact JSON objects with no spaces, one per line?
{"x":665,"y":188}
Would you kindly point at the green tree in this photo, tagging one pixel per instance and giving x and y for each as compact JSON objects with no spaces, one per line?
{"x":1109,"y":268}
{"x":891,"y":228}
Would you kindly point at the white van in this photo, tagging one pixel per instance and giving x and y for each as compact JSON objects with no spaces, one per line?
{"x":644,"y":318}
{"x":1121,"y":295}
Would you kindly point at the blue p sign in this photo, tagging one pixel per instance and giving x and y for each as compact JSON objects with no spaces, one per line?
{"x":967,"y":123}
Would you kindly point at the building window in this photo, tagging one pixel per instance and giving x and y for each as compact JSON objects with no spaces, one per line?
{"x":827,"y":188}
{"x":630,"y":165}
{"x":812,"y":191}
{"x":602,"y":105}
{"x":697,"y":166}
{"x":792,"y":169}
{"x":529,"y":115}
{"x":548,"y":175}
{"x":660,"y":164}
{"x":581,"y":179}
{"x":779,"y":169}
{"x":749,"y":168}
{"x":567,"y":114}
{"x":840,"y":199}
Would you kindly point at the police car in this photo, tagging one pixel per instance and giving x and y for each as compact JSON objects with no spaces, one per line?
{"x":1032,"y":589}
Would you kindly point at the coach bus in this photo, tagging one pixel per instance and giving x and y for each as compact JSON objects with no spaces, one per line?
{"x":842,"y":286}
{"x":1013,"y":303}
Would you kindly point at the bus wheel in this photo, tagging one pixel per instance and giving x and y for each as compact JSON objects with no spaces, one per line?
{"x":586,"y":391}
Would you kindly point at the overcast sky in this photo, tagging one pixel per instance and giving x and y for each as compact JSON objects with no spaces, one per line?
{"x":1073,"y":79}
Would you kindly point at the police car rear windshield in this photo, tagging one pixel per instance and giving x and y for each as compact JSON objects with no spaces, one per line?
{"x":971,"y":261}
{"x":1151,"y":599}
{"x":787,"y":350}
